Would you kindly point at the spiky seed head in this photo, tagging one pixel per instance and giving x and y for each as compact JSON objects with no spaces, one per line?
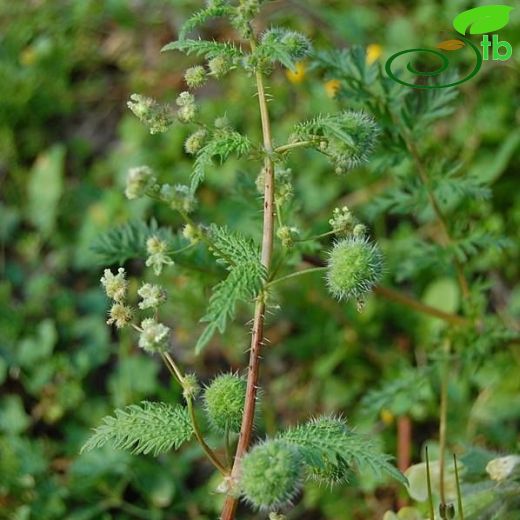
{"x":195,"y":142}
{"x":354,"y":266}
{"x":219,"y":66}
{"x":296,"y":44}
{"x":271,"y":474}
{"x":362,"y":131}
{"x":195,"y":76}
{"x":154,"y":336}
{"x":115,"y":285}
{"x":138,"y":181}
{"x":156,"y":116}
{"x":224,"y":402}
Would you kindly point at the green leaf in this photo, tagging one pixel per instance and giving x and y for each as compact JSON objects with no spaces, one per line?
{"x":126,"y":242}
{"x":144,"y":428}
{"x":200,"y":17}
{"x":326,"y":443}
{"x":45,"y":188}
{"x":208,"y":49}
{"x":243,"y":282}
{"x":222,"y":145}
{"x":484,"y":19}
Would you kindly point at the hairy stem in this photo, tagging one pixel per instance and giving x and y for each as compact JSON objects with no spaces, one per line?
{"x":230,"y":505}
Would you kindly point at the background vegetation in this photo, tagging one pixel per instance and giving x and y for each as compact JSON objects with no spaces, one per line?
{"x":66,"y":143}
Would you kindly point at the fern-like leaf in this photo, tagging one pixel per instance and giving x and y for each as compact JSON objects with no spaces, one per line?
{"x":202,"y":16}
{"x":126,"y":242}
{"x":143,"y":428}
{"x":208,"y":49}
{"x":222,"y":145}
{"x":233,"y":248}
{"x":327,"y":444}
{"x":243,"y":282}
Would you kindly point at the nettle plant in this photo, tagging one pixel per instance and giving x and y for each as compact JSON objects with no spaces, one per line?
{"x":269,"y":474}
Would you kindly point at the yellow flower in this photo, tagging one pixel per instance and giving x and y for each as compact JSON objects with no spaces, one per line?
{"x":298,"y":74}
{"x":387,"y":416}
{"x":374,"y":51}
{"x":331,"y":87}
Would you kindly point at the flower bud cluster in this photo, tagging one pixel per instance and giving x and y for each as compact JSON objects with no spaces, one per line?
{"x":195,"y":142}
{"x":116,"y":286}
{"x":187,"y":107}
{"x":151,"y":296}
{"x":195,"y":76}
{"x":219,"y":66}
{"x":156,"y":116}
{"x":179,"y":197}
{"x":139,"y":180}
{"x":154,"y":336}
{"x":287,"y":235}
{"x":157,"y":257}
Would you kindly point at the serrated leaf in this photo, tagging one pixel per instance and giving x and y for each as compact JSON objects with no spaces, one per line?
{"x":204,"y":15}
{"x":484,"y":19}
{"x":243,"y":283}
{"x":148,"y":427}
{"x":127,"y":241}
{"x":208,"y":49}
{"x":328,"y":441}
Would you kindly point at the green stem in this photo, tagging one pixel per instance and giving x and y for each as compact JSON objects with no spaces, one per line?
{"x":198,"y":434}
{"x":459,"y":494}
{"x":294,"y":275}
{"x":317,"y":237}
{"x":292,"y":146}
{"x":429,"y":484}
{"x":443,"y":422}
{"x":175,"y":371}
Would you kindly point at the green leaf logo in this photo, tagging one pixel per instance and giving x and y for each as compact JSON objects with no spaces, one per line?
{"x":480,"y":20}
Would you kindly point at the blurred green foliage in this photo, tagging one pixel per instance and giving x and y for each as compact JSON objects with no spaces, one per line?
{"x":66,"y":143}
